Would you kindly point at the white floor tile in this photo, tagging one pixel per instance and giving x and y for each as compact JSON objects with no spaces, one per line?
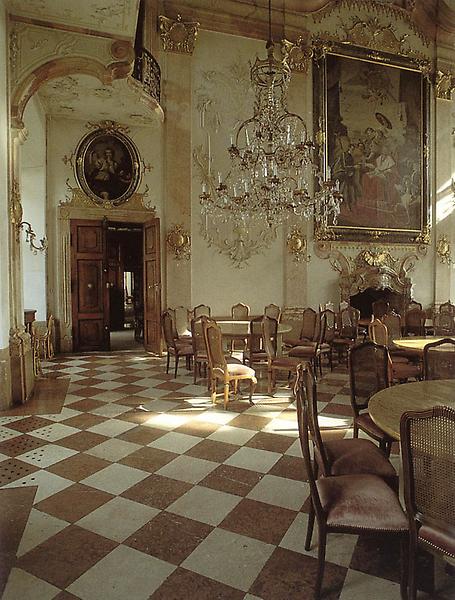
{"x":112,"y":428}
{"x":188,"y":468}
{"x":279,"y":491}
{"x":8,"y":434}
{"x":54,"y":432}
{"x":232,"y":435}
{"x":22,"y":585}
{"x":175,"y":442}
{"x":360,"y":585}
{"x":113,"y":449}
{"x":40,"y":527}
{"x":253,"y":459}
{"x":47,"y":455}
{"x":115,"y":478}
{"x":48,"y":484}
{"x":205,"y":505}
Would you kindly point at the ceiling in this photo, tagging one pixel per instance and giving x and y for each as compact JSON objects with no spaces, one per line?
{"x":84,"y":97}
{"x":110,"y":17}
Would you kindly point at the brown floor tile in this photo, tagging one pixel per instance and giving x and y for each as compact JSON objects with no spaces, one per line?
{"x":84,"y":421}
{"x":338,"y":409}
{"x":249,"y":422}
{"x":334,"y":434}
{"x":232,"y":480}
{"x":74,"y":502}
{"x":185,"y":585}
{"x":64,"y":595}
{"x":169,"y":537}
{"x":86,"y":404}
{"x":170,"y":385}
{"x":270,"y":441}
{"x":15,"y":507}
{"x":377,"y":555}
{"x":148,"y":459}
{"x":128,"y":378}
{"x":78,"y":467}
{"x":28,"y":424}
{"x":135,"y":416}
{"x":130,"y":389}
{"x":13,"y":469}
{"x":65,"y":556}
{"x":325,"y":396}
{"x":289,"y":575}
{"x":87,"y":391}
{"x":20,"y":445}
{"x":88,"y":381}
{"x":258,"y":520}
{"x":141,"y":435}
{"x":48,"y":397}
{"x":83,"y":440}
{"x":290,"y":467}
{"x":212,"y":450}
{"x":157,"y":491}
{"x":197,"y":428}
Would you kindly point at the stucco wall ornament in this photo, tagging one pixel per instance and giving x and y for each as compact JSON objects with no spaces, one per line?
{"x":371,"y":33}
{"x":178,"y":241}
{"x":444,"y":85}
{"x":444,"y":250}
{"x":178,"y":35}
{"x":297,"y":245}
{"x":298,"y":54}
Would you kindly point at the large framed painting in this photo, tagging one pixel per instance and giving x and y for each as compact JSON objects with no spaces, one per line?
{"x":107,"y":166}
{"x":372,"y":114}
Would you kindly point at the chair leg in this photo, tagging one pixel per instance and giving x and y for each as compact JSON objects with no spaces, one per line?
{"x":412,"y":589}
{"x":226,"y":394}
{"x":213,"y":390}
{"x":270,"y":382}
{"x":404,"y":568}
{"x":176,"y":365}
{"x":252,"y":386}
{"x":310,"y":527}
{"x":321,"y":561}
{"x":168,"y":361}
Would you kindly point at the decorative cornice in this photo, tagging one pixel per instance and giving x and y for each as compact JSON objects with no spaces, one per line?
{"x":178,"y":35}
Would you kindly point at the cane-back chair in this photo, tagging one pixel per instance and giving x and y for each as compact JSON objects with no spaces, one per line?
{"x":428,"y":454}
{"x":439,"y":359}
{"x":444,"y":323}
{"x":219,"y":368}
{"x":380,"y":308}
{"x":255,"y":352}
{"x":355,"y":503}
{"x":415,"y":322}
{"x":347,"y":330}
{"x":273,"y":311}
{"x":312,"y":351}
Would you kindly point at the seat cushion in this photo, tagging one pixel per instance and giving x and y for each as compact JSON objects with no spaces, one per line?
{"x":297,"y":341}
{"x":231,"y":360}
{"x":239,"y":370}
{"x":438,"y":539}
{"x":304,"y":351}
{"x":357,"y":456}
{"x":286,"y":362}
{"x":406,"y":370}
{"x":361,"y":502}
{"x":366,"y":423}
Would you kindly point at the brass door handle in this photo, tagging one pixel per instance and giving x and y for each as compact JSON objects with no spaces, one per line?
{"x":90,"y":286}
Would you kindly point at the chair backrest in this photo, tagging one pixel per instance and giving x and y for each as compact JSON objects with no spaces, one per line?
{"x":292,"y":316}
{"x":168,"y":324}
{"x":412,"y":305}
{"x":380,"y":308}
{"x":348,"y":322}
{"x":214,"y":343}
{"x":309,"y":321}
{"x":303,"y":425}
{"x":201,"y":310}
{"x":368,"y":373}
{"x":273,"y":311}
{"x":428,"y":455}
{"x":444,"y":323}
{"x":255,"y":337}
{"x":439,"y":359}
{"x":415,"y":321}
{"x":321,"y":329}
{"x":393,"y":323}
{"x":240,"y":311}
{"x":269,"y":336}
{"x":378,"y":333}
{"x":330,"y":325}
{"x":197,"y":338}
{"x":182,"y":323}
{"x":447,"y":308}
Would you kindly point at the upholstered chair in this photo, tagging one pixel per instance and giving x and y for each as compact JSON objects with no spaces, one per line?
{"x":201,"y":310}
{"x":274,"y":363}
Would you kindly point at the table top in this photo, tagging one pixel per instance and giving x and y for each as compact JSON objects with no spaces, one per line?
{"x":417,"y":343}
{"x":387,"y":406}
{"x":233,"y":327}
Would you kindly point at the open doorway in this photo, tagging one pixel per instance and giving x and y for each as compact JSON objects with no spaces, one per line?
{"x":125,"y":276}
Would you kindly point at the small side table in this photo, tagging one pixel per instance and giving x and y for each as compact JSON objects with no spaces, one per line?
{"x":29,"y":317}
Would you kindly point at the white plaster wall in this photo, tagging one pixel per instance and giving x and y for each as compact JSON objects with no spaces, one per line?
{"x":33,"y":195}
{"x":4,"y":217}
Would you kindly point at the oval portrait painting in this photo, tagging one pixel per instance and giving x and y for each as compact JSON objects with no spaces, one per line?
{"x":107,"y":166}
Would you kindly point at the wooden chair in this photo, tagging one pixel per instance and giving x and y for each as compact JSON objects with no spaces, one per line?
{"x":273,"y":311}
{"x":311,"y":352}
{"x":444,"y":323}
{"x":292,"y":316}
{"x":413,"y":304}
{"x":326,"y":348}
{"x":439,"y":359}
{"x":428,"y":456}
{"x":182,"y":321}
{"x":274,"y":363}
{"x":308,"y":329}
{"x":369,"y":372}
{"x":219,"y":368}
{"x":414,"y":322}
{"x":447,"y":308}
{"x":240,"y":311}
{"x":43,"y":338}
{"x":255,"y":352}
{"x":175,"y":347}
{"x":393,"y":323}
{"x":355,"y":503}
{"x":401,"y":369}
{"x":380,"y":308}
{"x":347,"y":331}
{"x":200,"y":358}
{"x":201,"y":310}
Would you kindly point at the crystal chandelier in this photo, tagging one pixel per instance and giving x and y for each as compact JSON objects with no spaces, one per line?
{"x":273,"y":167}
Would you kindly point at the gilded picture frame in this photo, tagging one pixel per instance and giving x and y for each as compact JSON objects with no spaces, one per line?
{"x":107,"y":166}
{"x":372,"y":124}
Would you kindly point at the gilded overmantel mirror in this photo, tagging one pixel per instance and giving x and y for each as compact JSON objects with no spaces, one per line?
{"x":372,"y":117}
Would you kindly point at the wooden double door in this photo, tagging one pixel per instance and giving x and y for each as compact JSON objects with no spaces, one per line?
{"x":90,"y":285}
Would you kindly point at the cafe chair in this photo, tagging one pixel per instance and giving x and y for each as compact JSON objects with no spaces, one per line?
{"x":413,"y":304}
{"x":220,"y":368}
{"x":308,"y":331}
{"x":292,"y":317}
{"x":312,"y":351}
{"x":240,"y":311}
{"x":392,"y":322}
{"x":182,"y":321}
{"x":380,"y":308}
{"x":447,"y":308}
{"x":43,"y":334}
{"x":369,"y":372}
{"x":255,"y":352}
{"x":444,"y":324}
{"x":200,"y":359}
{"x":175,"y":347}
{"x":201,"y":310}
{"x":428,"y":456}
{"x":274,"y":362}
{"x":439,"y":359}
{"x":414,"y":322}
{"x":359,"y":503}
{"x":347,"y":331}
{"x":273,"y":311}
{"x":330,"y":331}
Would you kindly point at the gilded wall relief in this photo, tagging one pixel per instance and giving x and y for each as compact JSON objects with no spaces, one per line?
{"x":178,"y":35}
{"x":444,"y":250}
{"x":444,"y":84}
{"x":297,"y":245}
{"x":178,"y":241}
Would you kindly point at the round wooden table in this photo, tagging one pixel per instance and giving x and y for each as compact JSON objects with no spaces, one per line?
{"x":387,"y":406}
{"x":418,"y":343}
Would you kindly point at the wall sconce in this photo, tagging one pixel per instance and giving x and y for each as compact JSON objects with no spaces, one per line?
{"x":20,"y":225}
{"x":179,"y":242}
{"x":297,"y":245}
{"x":444,"y":251}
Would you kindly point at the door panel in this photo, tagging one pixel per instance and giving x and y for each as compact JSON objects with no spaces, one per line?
{"x":90,"y":296}
{"x":152,"y":286}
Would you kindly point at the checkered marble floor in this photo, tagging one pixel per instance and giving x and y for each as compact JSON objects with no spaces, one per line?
{"x":140,"y":488}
